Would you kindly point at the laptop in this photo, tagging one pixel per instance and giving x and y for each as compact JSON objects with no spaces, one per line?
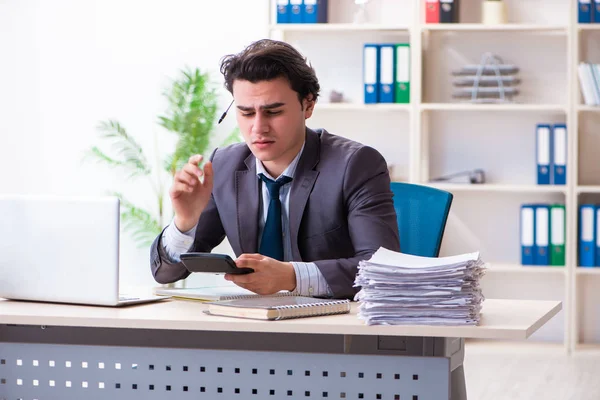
{"x":61,"y":249}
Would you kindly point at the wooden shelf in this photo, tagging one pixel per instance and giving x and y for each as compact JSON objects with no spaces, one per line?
{"x":527,"y":269}
{"x":589,"y":27}
{"x":495,"y":28}
{"x":493,"y":107}
{"x":583,"y":108}
{"x":588,"y":271}
{"x":363,"y":107}
{"x":588,"y":189}
{"x":588,"y":348}
{"x":339,"y":28}
{"x":491,"y":187}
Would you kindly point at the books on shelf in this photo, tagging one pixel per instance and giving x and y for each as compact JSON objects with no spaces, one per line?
{"x":386,"y":73}
{"x":301,"y":11}
{"x":213,"y":293}
{"x":401,"y":289}
{"x":589,"y":235}
{"x":589,"y":81}
{"x":588,"y":11}
{"x":551,"y":154}
{"x":543,"y":231}
{"x":441,"y":11}
{"x":277,"y":308}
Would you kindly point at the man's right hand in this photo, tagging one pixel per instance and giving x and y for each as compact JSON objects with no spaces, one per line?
{"x":190,"y":192}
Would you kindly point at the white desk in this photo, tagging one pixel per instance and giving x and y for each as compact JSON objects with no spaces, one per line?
{"x":173,"y":350}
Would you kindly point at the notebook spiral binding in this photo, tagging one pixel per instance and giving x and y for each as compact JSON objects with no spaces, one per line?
{"x":250,"y":296}
{"x":329,"y":308}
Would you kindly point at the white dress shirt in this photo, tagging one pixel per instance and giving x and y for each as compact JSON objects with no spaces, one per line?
{"x":309,"y":279}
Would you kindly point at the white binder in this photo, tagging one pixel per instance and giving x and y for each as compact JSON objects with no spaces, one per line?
{"x":559,"y":154}
{"x":542,"y":235}
{"x":386,"y":74}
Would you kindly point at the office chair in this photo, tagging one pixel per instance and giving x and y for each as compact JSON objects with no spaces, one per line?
{"x":421,"y":212}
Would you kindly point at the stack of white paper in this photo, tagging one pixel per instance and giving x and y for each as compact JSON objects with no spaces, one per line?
{"x":398,"y":289}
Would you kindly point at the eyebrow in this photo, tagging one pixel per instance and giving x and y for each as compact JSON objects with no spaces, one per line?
{"x":264,"y":107}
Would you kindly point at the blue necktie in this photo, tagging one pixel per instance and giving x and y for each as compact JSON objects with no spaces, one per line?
{"x":271,"y":244}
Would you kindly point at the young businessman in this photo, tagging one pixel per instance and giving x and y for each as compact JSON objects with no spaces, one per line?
{"x":300,"y":207}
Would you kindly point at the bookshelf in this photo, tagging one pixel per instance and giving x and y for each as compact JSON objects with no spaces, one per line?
{"x":435,"y":135}
{"x":364,"y":107}
{"x":493,"y":107}
{"x":339,"y":27}
{"x":585,"y":188}
{"x":588,"y":189}
{"x":490,"y":187}
{"x":588,"y":27}
{"x":495,"y":28}
{"x":524,"y":269}
{"x":588,"y":271}
{"x":584,"y":108}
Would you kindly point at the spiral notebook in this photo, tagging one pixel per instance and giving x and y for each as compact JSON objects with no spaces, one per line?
{"x":214,"y":293}
{"x":276,"y":308}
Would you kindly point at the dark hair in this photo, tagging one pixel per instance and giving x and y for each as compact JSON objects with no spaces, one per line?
{"x":268,"y":59}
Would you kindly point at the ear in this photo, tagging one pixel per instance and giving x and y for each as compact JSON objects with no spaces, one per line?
{"x":308,"y":105}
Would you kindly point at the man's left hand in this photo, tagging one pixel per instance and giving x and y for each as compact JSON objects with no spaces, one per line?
{"x":269,"y":276}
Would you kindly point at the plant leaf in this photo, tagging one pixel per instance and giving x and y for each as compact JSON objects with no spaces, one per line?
{"x":191,"y":115}
{"x":142,"y":226}
{"x":127,"y":153}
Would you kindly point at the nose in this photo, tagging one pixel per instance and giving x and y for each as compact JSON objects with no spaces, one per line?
{"x":259,"y":124}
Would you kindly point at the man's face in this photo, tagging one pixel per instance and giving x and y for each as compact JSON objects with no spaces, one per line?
{"x":271,"y":119}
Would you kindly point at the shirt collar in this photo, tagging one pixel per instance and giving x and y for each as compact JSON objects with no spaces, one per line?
{"x":289,"y":171}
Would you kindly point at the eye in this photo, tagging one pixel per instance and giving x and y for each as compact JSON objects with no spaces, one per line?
{"x":247,"y":114}
{"x":274,"y":112}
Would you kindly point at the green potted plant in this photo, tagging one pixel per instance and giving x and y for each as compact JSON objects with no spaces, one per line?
{"x":191,"y":116}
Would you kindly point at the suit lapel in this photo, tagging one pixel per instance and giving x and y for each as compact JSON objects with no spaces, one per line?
{"x":246,"y":199}
{"x":304,"y":180}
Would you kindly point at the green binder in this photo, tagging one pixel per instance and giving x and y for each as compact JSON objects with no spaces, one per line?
{"x":557,"y":234}
{"x":402,"y":78}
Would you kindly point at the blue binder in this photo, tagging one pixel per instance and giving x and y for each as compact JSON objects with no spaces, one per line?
{"x":371,"y":73}
{"x":295,"y":11}
{"x":527,"y":234}
{"x":597,"y":232}
{"x":584,"y":14}
{"x":559,"y":154}
{"x":283,"y":11}
{"x":543,"y":150}
{"x":387,"y":64}
{"x":587,"y":235}
{"x":595,"y":11}
{"x":541,"y":256}
{"x":314,"y":11}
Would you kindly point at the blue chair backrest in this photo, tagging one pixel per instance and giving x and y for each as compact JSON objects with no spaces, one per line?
{"x":421,"y":212}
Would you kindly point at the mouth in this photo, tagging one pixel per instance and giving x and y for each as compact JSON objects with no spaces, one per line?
{"x":263,"y":144}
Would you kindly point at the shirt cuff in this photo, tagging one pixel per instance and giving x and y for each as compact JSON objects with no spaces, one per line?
{"x":176,"y":242}
{"x":310,"y":280}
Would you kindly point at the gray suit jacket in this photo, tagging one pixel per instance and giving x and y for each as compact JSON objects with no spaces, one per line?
{"x":341,"y":209}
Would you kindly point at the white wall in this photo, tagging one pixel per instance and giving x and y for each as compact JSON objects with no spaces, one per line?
{"x":68,"y":64}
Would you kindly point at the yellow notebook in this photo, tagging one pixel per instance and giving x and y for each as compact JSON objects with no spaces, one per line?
{"x":276,"y":308}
